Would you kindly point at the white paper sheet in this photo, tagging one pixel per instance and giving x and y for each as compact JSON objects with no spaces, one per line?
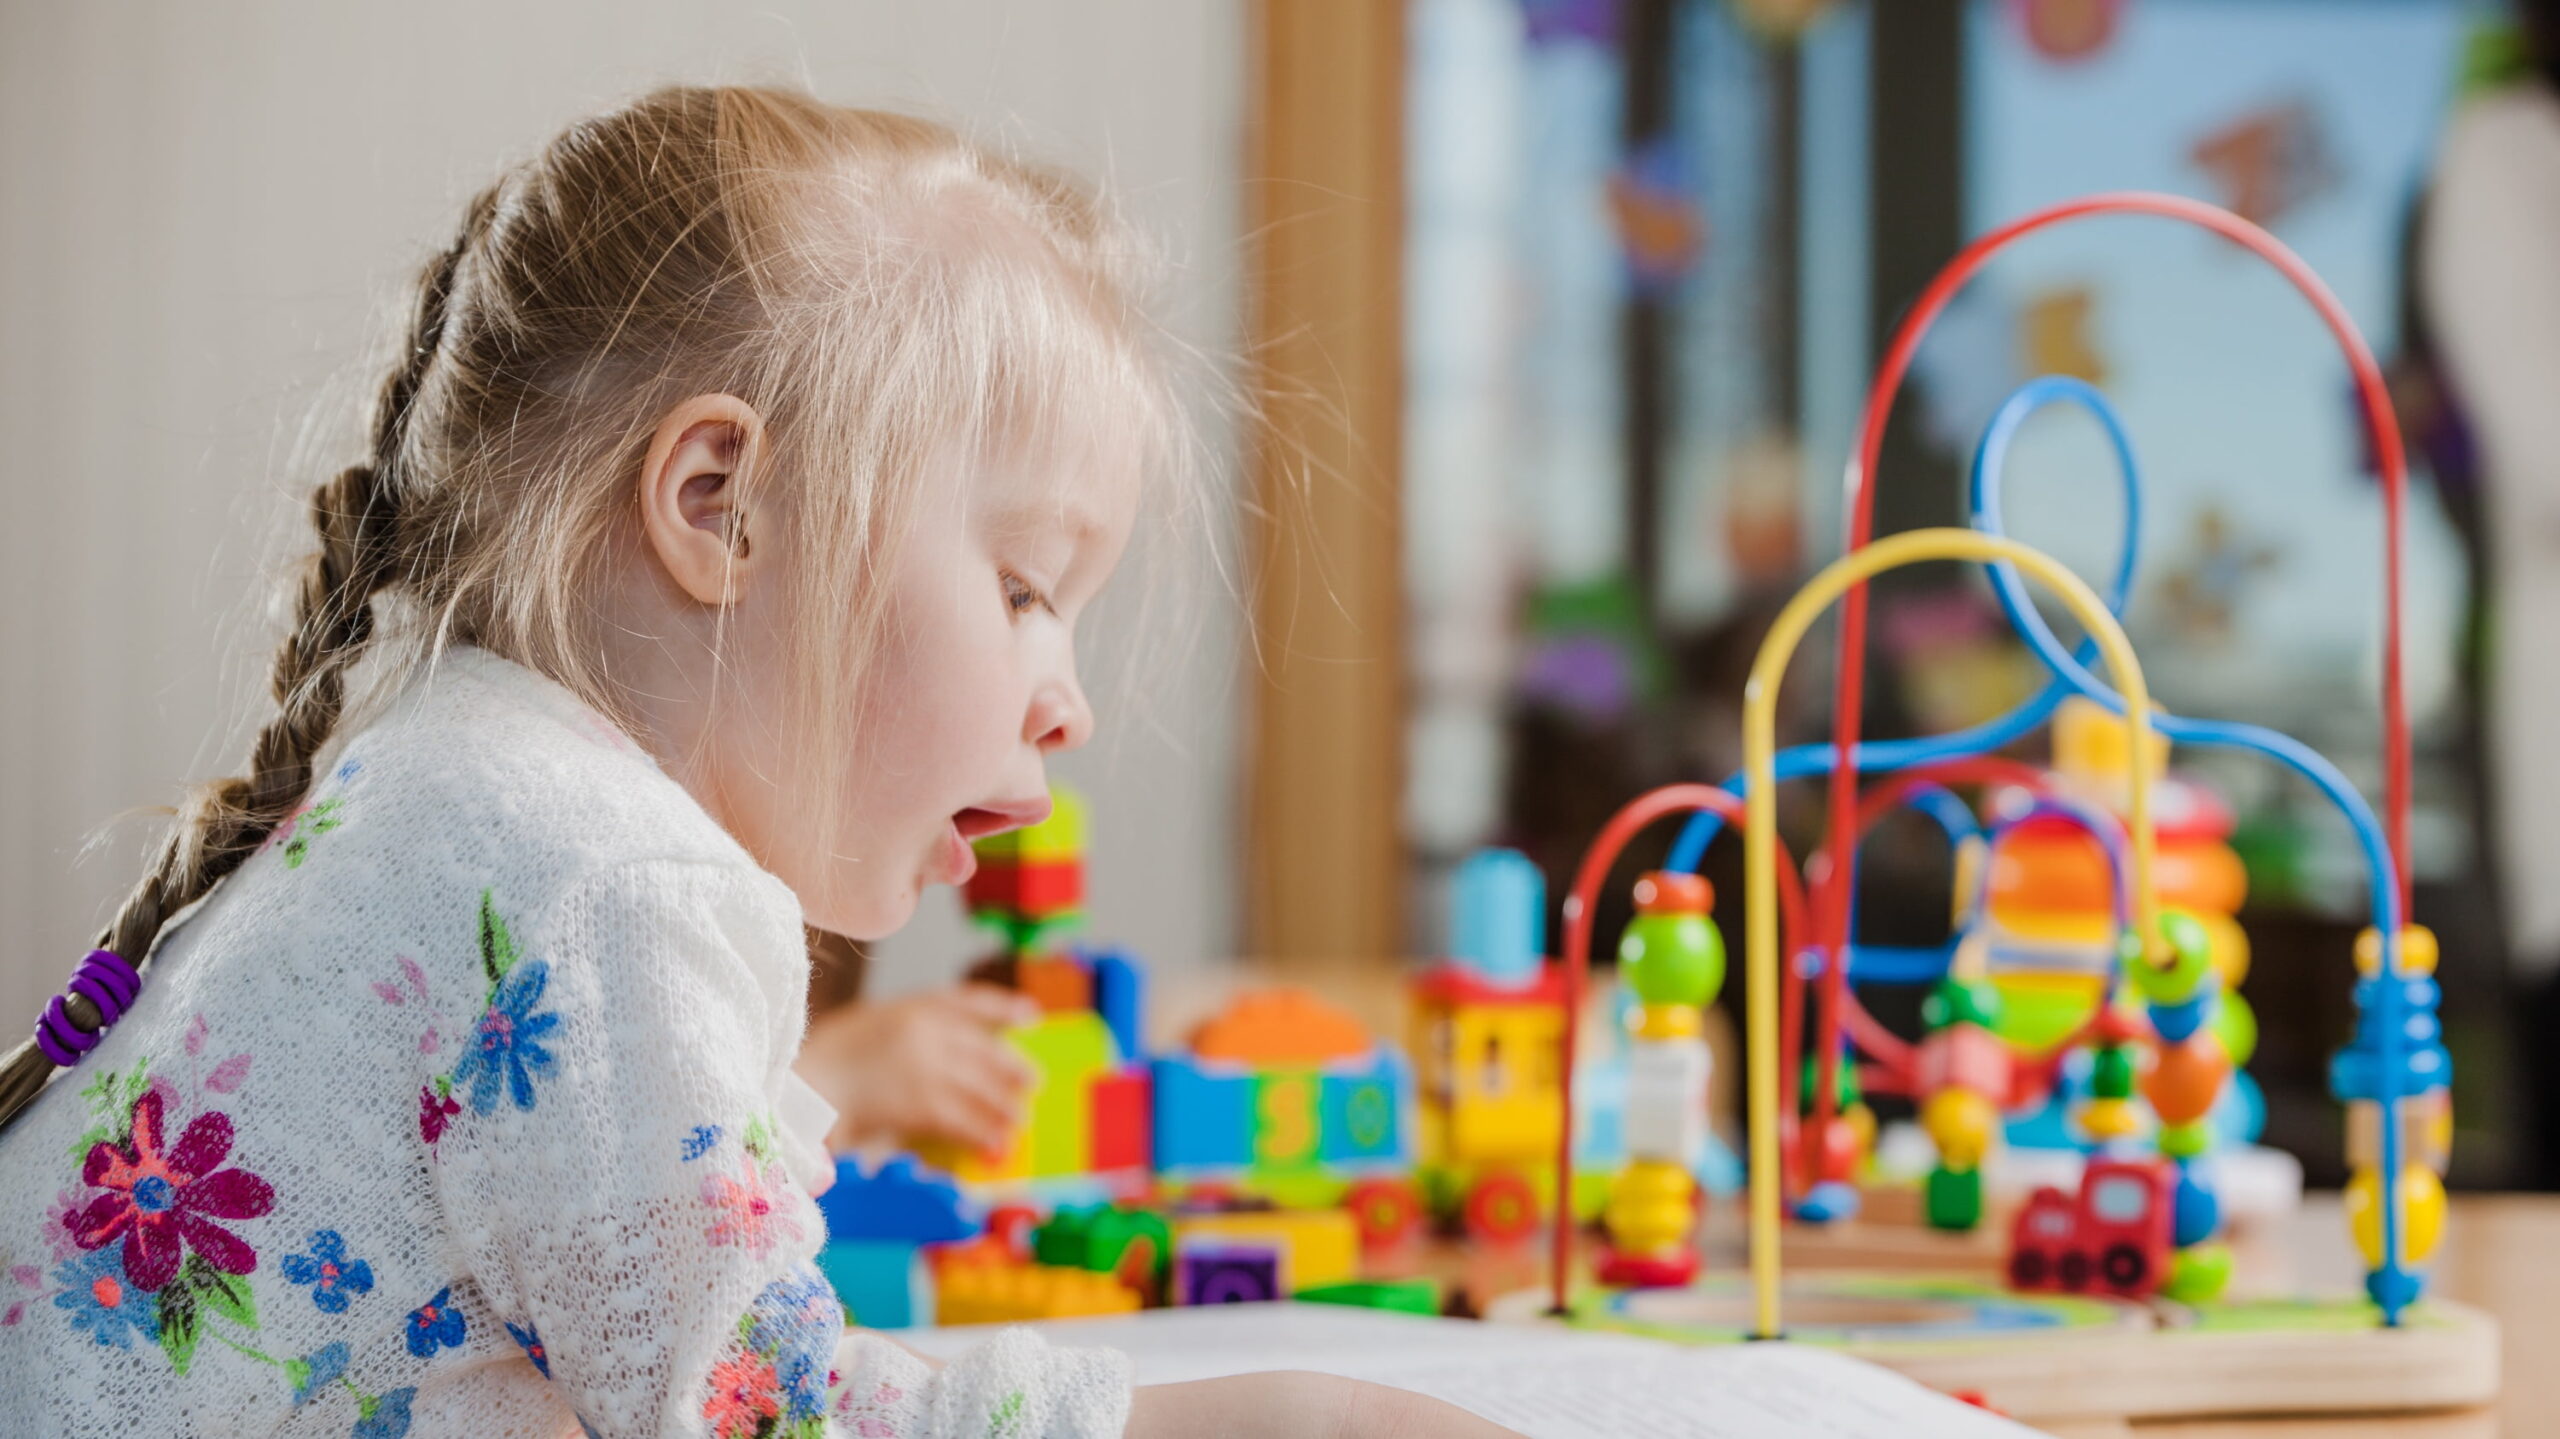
{"x":1546,"y":1383}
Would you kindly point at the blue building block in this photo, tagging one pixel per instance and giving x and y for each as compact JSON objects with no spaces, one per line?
{"x":1362,"y":1113}
{"x":1203,"y":1119}
{"x":1498,"y":901}
{"x":882,"y":1282}
{"x":899,"y":1201}
{"x":1120,"y":997}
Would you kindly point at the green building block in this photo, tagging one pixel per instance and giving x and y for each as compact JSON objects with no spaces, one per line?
{"x":1067,"y":1052}
{"x":1098,"y":1237}
{"x":1412,"y":1296}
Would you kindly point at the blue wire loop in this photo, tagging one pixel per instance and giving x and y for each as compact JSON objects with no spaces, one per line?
{"x":2392,"y":1286}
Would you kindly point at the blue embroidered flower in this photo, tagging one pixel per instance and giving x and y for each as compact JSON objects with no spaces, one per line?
{"x":388,"y":1418}
{"x":506,"y":1046}
{"x":795,"y":1314}
{"x":531,"y":1343}
{"x":316,"y":1371}
{"x":330,"y":1273}
{"x":103,"y":1302}
{"x":435,"y":1325}
{"x":700,"y":1142}
{"x":797,"y":1319}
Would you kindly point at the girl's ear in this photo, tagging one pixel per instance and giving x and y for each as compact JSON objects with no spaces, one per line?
{"x":700,"y":522}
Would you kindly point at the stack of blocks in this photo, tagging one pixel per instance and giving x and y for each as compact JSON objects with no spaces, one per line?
{"x":878,"y":1225}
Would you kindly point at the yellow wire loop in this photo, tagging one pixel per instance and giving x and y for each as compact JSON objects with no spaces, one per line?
{"x":1760,"y":832}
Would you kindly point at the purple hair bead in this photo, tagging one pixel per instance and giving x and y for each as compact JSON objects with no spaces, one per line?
{"x":106,"y":980}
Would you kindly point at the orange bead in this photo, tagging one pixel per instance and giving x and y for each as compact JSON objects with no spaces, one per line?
{"x":2187,"y":1078}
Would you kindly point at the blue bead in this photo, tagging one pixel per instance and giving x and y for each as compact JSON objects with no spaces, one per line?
{"x":2354,"y":1073}
{"x":2175,"y":1022}
{"x":2394,"y":1289}
{"x":1828,"y":1203}
{"x":2197,"y":1213}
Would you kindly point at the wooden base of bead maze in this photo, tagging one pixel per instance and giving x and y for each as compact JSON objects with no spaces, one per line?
{"x":2046,"y":1358}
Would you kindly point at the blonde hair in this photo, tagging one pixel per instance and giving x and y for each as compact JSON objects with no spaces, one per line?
{"x":882,"y":291}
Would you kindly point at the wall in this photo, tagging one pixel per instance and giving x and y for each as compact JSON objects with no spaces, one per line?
{"x":205,"y":225}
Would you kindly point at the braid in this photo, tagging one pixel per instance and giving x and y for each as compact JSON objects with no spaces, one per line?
{"x":356,"y":515}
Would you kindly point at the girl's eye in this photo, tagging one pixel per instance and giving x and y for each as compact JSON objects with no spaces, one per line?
{"x":1019,"y":596}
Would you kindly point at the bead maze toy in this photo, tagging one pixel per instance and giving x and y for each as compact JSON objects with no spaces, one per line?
{"x":2117,"y":1311}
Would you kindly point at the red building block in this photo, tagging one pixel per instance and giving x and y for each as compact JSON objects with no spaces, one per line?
{"x":1036,"y":888}
{"x":1122,"y":1111}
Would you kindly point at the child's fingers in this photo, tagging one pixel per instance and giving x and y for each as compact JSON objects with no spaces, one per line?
{"x":978,"y":1119}
{"x":993,"y":1007}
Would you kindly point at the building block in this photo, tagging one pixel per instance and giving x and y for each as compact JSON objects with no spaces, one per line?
{"x":1060,"y":836}
{"x":1120,"y":996}
{"x":1123,"y":1111}
{"x":1507,"y":1105}
{"x":1499,"y":904}
{"x":1283,"y":1025}
{"x":1067,"y":1053}
{"x":1364,"y":1113}
{"x":1039,"y":888}
{"x":1316,"y":1246}
{"x":898,"y":1201}
{"x":1204,"y":1120}
{"x":1287,"y":1111}
{"x":1135,"y":1244}
{"x":1409,"y":1296}
{"x":983,"y":1293}
{"x":1059,"y":984}
{"x":882,"y":1282}
{"x":1228,"y":1274}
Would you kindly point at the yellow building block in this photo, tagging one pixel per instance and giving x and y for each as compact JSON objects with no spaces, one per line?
{"x":1060,"y":836}
{"x":983,"y":1293}
{"x":1317,"y":1246}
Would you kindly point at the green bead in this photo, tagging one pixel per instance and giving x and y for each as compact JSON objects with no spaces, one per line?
{"x":2198,"y":1273}
{"x":1844,"y":1085}
{"x":1954,"y":1198}
{"x":1961,"y":1001}
{"x":2188,"y":1140}
{"x":2190,"y":965}
{"x":2111,"y":1074}
{"x":2236,"y":1025}
{"x":1672,"y":958}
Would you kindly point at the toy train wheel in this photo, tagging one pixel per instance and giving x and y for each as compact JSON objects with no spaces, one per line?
{"x":2123,"y":1267}
{"x":2028,"y":1269}
{"x":2075,"y":1271}
{"x":1385,"y":1211}
{"x":1501,"y":1208}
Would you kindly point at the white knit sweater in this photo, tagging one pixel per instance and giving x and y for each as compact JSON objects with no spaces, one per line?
{"x":465,"y":1108}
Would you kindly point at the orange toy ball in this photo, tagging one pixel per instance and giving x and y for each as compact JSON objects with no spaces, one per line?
{"x":2187,"y":1078}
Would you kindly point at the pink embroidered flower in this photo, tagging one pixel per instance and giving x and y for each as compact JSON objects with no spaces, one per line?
{"x":162,"y":1202}
{"x":745,"y":1396}
{"x":435,"y":1111}
{"x":752,"y":1215}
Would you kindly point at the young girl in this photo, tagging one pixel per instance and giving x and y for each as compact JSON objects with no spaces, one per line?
{"x":715,"y":569}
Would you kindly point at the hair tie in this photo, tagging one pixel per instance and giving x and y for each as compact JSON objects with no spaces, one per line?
{"x":106,"y":980}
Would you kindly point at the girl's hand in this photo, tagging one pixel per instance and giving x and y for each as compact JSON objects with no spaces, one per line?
{"x":928,"y":1066}
{"x":1299,"y":1406}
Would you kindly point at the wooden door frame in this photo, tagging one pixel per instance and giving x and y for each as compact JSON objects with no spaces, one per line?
{"x":1326,"y":874}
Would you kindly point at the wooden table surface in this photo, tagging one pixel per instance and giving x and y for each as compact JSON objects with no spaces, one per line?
{"x":2501,"y":1253}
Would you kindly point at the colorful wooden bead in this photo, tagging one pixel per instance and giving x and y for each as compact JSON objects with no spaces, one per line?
{"x":2199,"y":1275}
{"x":1961,"y":1001}
{"x":1671,"y":952}
{"x":1954,"y":1198}
{"x":2418,"y":950}
{"x":2107,"y":1119}
{"x":2186,"y":1079}
{"x":2111,"y":1072}
{"x":2186,"y":1141}
{"x":2183,"y":967}
{"x":2421,"y":1214}
{"x":1962,"y":1123}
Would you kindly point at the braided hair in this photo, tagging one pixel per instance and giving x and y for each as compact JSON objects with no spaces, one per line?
{"x":357,"y":515}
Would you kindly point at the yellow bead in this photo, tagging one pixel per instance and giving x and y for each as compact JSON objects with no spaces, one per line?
{"x":2111,"y":1119}
{"x":1862,"y":1123}
{"x":2417,"y":951}
{"x":1669,"y":1021}
{"x":1650,"y":1206}
{"x":2421,"y":1214}
{"x":1963,"y":1124}
{"x":2228,"y":943}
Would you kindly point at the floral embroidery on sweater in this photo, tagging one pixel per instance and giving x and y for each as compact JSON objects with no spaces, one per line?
{"x":772,"y":1383}
{"x":506,"y":1049}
